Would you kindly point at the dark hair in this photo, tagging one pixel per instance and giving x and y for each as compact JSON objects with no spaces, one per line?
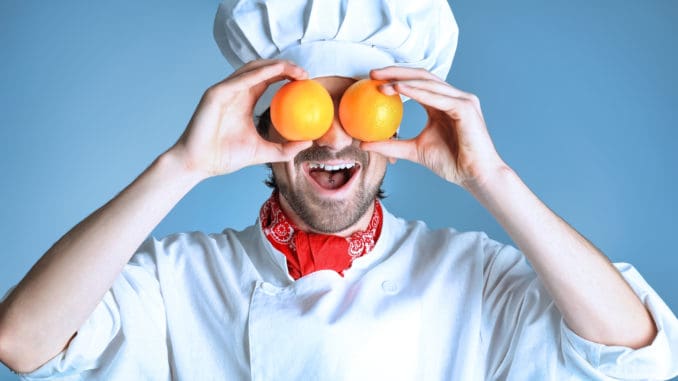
{"x":263,"y":125}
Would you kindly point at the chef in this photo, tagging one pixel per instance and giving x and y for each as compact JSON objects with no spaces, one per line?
{"x":328,"y":284}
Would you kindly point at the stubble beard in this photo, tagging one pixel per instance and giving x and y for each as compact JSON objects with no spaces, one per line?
{"x":330,"y":216}
{"x":320,"y":214}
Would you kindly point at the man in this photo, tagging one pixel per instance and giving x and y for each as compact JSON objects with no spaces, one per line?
{"x":287,"y":298}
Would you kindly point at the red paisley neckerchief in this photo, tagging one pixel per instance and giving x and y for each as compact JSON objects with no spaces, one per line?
{"x":309,"y":252}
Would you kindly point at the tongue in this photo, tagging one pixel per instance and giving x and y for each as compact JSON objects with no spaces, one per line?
{"x":330,"y":179}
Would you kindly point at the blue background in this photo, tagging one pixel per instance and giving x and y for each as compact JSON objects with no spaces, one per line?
{"x":580,"y":98}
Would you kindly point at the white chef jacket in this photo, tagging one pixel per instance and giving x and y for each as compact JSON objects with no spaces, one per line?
{"x":423,"y":305}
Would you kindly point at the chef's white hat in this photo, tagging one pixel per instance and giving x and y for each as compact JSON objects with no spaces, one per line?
{"x":345,"y":38}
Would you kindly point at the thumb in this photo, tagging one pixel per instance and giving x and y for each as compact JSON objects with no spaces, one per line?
{"x":278,"y":152}
{"x":399,"y":149}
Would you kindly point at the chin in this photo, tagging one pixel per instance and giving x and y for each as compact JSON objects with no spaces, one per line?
{"x":329,"y":195}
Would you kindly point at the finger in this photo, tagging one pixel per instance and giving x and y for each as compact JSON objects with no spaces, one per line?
{"x":277,"y":152}
{"x":281,"y":69}
{"x":433,"y":86}
{"x":251,"y":65}
{"x":255,"y":64}
{"x":402,"y":72}
{"x":399,"y":149}
{"x":406,"y":75}
{"x":257,"y":78}
{"x":258,"y":89}
{"x":457,"y":107}
{"x":454,"y":106}
{"x":440,"y":88}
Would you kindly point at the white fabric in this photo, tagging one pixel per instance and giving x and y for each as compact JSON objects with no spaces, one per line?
{"x":345,"y":38}
{"x":423,"y":305}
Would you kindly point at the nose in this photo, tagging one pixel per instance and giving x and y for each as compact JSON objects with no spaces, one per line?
{"x":336,"y":137}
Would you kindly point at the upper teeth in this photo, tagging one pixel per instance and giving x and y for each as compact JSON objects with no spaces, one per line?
{"x":331,"y":167}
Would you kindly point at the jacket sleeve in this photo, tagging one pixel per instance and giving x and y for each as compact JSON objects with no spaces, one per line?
{"x":124,"y":337}
{"x":526,"y":337}
{"x":659,"y":360}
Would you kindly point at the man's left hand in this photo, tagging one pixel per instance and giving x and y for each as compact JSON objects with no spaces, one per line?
{"x":454,"y":143}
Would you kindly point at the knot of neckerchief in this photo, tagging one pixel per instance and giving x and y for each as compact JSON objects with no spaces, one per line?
{"x":308,"y":252}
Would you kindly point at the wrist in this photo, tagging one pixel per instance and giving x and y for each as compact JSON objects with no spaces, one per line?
{"x":490,"y":181}
{"x":174,"y":163}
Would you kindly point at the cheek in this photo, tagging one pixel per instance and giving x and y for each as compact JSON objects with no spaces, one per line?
{"x":282,"y":172}
{"x":377,"y":166}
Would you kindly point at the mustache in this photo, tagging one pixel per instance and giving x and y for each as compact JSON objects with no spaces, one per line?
{"x":318,"y":153}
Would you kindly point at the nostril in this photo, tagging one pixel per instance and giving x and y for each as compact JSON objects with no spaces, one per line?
{"x":336,"y":137}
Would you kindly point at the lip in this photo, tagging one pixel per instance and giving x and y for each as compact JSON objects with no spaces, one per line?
{"x":339,"y":193}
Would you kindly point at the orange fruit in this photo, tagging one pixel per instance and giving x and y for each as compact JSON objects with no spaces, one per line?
{"x":367,"y":114}
{"x":302,"y":110}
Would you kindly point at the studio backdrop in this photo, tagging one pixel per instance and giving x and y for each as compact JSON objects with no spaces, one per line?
{"x":580,"y":97}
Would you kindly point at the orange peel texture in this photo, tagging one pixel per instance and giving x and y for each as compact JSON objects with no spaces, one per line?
{"x":369,"y":115}
{"x":302,"y":110}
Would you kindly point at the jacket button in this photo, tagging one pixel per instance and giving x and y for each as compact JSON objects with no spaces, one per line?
{"x":389,"y":287}
{"x":269,"y":289}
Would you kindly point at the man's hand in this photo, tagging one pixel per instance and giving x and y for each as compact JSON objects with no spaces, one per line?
{"x":454,"y":143}
{"x":221,"y":137}
{"x":591,"y":294}
{"x":45,"y":310}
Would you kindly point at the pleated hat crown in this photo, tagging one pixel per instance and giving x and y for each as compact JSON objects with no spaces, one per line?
{"x":346,"y":38}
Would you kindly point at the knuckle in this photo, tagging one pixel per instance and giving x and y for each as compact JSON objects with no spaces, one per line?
{"x":260,"y":62}
{"x":281,"y":65}
{"x":210,"y":92}
{"x":214,"y":93}
{"x":251,"y":62}
{"x":247,"y":66}
{"x":468,"y":102}
{"x":425,"y":73}
{"x":472,"y":99}
{"x":276,"y":66}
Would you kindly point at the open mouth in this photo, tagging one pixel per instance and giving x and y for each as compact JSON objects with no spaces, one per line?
{"x":332,"y":176}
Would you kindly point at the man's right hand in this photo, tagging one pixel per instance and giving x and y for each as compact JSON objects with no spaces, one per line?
{"x":46,"y":309}
{"x":221,"y":137}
